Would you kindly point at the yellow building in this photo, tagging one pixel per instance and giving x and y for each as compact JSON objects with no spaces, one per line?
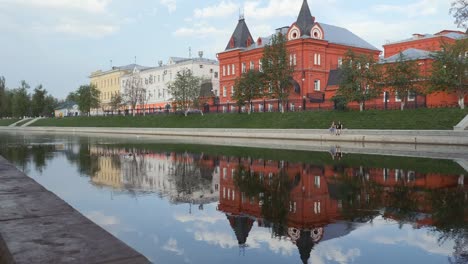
{"x":108,"y":83}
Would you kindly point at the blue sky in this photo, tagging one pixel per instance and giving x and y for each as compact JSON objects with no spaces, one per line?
{"x":58,"y":43}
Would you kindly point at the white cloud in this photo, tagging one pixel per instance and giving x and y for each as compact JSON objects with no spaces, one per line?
{"x":102,"y":219}
{"x":274,"y":8}
{"x":171,"y":246}
{"x":92,"y":6}
{"x":82,"y":28}
{"x":199,"y":31}
{"x":170,"y":4}
{"x":415,"y":9}
{"x":222,"y":9}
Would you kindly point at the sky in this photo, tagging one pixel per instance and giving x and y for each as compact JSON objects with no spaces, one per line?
{"x":58,"y":43}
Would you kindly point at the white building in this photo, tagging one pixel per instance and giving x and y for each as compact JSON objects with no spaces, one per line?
{"x":156,"y":79}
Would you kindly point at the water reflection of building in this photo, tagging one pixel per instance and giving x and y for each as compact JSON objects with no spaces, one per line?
{"x":183,"y":178}
{"x":319,"y":197}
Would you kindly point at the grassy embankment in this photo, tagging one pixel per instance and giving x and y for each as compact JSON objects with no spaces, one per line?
{"x":441,"y":118}
{"x":7,"y":122}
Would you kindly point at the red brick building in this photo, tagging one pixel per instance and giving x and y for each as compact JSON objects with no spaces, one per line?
{"x":316,"y":50}
{"x":419,"y":48}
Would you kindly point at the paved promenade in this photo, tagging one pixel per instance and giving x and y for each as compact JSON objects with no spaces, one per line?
{"x":38,"y":227}
{"x":431,"y":137}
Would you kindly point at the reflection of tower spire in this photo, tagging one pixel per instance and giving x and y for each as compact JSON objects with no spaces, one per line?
{"x":305,"y":244}
{"x":241,"y":226}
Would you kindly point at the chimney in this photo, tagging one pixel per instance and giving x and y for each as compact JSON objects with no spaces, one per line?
{"x":418,"y":36}
{"x":200,"y":54}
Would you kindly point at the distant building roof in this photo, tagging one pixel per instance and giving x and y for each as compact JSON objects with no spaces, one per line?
{"x":444,"y":33}
{"x":66,"y":105}
{"x":339,"y":35}
{"x":409,"y":54}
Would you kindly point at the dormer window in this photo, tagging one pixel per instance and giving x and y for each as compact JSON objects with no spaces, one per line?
{"x":231,"y":43}
{"x":294,"y":33}
{"x":316,"y":32}
{"x":249,"y":42}
{"x":259,"y":42}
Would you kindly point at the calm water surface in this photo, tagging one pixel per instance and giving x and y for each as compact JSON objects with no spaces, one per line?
{"x":204,"y":204}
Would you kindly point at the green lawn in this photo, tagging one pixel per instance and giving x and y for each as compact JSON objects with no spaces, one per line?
{"x":7,"y":122}
{"x":441,"y":118}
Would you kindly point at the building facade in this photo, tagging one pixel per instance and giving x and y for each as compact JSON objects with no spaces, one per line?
{"x":419,"y":48}
{"x":315,"y":50}
{"x":108,"y":83}
{"x":155,"y":80}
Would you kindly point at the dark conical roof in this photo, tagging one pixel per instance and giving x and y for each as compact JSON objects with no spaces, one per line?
{"x":241,"y":226}
{"x":240,"y":37}
{"x":305,"y":21}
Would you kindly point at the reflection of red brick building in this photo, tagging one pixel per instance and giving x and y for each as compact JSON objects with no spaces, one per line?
{"x":315,"y":204}
{"x":419,"y":49}
{"x":316,"y":50}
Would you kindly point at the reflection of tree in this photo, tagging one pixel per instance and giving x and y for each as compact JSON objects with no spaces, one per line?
{"x":450,"y":214}
{"x":273,"y":193}
{"x":360,"y":197}
{"x":189,"y":175}
{"x":403,"y":203}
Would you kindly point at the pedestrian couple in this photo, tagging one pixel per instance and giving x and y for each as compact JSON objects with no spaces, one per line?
{"x":336,"y":129}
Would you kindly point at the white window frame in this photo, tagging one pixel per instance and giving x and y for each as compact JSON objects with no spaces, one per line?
{"x":229,"y":70}
{"x":411,"y":96}
{"x":244,"y":68}
{"x":252,"y":65}
{"x":397,"y":98}
{"x":224,"y":70}
{"x":232,"y":90}
{"x":340,"y":61}
{"x":224,"y":91}
{"x":233,"y":69}
{"x":317,"y":85}
{"x":260,"y":66}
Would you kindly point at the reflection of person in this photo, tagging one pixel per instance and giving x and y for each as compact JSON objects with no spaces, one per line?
{"x":333,"y":152}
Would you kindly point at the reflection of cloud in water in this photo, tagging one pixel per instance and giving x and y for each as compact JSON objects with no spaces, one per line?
{"x":102,"y":219}
{"x":171,"y":246}
{"x":204,"y":218}
{"x":335,"y":254}
{"x":419,"y":238}
{"x":423,"y":241}
{"x":222,"y":240}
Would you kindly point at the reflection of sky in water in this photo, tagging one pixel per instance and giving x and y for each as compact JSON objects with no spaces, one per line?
{"x":182,"y":233}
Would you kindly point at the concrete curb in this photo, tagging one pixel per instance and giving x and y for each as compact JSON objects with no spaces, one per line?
{"x":462,"y":125}
{"x":36,"y":226}
{"x":430,"y":137}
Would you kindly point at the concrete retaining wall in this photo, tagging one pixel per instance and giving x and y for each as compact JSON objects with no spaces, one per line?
{"x":432,"y":137}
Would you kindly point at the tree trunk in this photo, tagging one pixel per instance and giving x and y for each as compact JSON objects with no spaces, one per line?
{"x":402,"y":105}
{"x":361,"y":106}
{"x":461,"y":101}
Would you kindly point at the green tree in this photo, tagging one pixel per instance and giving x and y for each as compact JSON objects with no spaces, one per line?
{"x":21,"y":101}
{"x":248,"y":87}
{"x":185,"y":90}
{"x":450,"y":71}
{"x":402,"y":77}
{"x":277,"y":68}
{"x":72,"y":97}
{"x":38,"y":101}
{"x":459,"y":10}
{"x":87,"y":98}
{"x":116,"y":102}
{"x":50,"y":103}
{"x":360,"y":78}
{"x":3,"y":98}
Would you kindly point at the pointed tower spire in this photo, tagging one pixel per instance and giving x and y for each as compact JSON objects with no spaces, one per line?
{"x":305,"y":20}
{"x":241,"y":38}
